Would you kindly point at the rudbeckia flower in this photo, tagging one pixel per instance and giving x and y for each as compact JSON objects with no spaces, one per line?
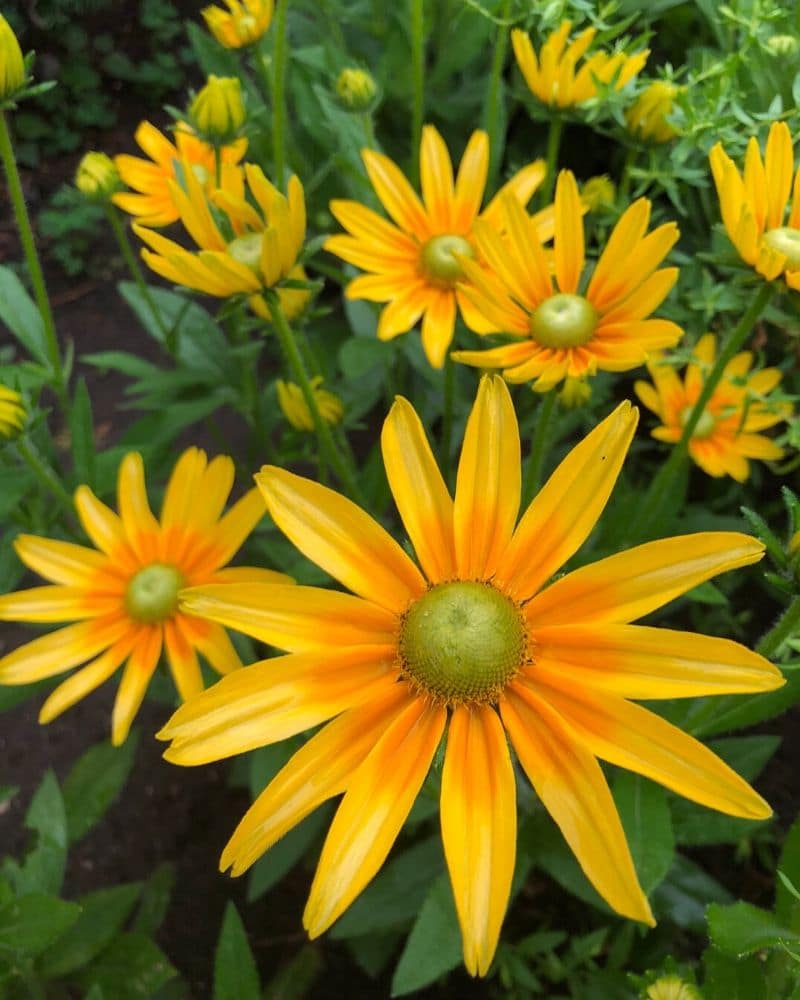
{"x":243,"y":248}
{"x":554,"y":76}
{"x":12,"y":412}
{"x":243,"y":23}
{"x":753,"y":205}
{"x":473,"y":639}
{"x":154,"y":179}
{"x":415,"y":265}
{"x":725,"y":436}
{"x":561,"y":330}
{"x":123,"y":594}
{"x":295,"y":409}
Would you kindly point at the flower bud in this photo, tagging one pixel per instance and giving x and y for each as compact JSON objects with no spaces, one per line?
{"x":574,"y":393}
{"x":12,"y":65}
{"x":12,"y":412}
{"x":783,"y":45}
{"x":598,"y":192}
{"x":295,"y":409}
{"x":646,"y":119}
{"x":217,"y":112}
{"x":97,"y":177}
{"x":356,"y":89}
{"x":672,"y":988}
{"x":243,"y":23}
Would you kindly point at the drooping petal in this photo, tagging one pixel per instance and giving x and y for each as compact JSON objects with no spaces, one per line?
{"x":182,"y":659}
{"x":135,"y":679}
{"x":213,"y":642}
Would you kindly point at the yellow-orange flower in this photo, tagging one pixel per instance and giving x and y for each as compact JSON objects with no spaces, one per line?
{"x":753,"y":205}
{"x":475,"y":639}
{"x":153,"y":180}
{"x":415,"y":264}
{"x":12,"y":412}
{"x":561,"y":331}
{"x":554,"y":76}
{"x":243,"y":23}
{"x":295,"y":409}
{"x":725,"y":436}
{"x":123,"y":594}
{"x":647,"y":117}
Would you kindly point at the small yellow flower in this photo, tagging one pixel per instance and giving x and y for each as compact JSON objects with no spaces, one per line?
{"x":598,"y":192}
{"x":12,"y":412}
{"x":97,"y":177}
{"x":123,"y":594}
{"x":256,"y":248}
{"x":293,"y":301}
{"x":724,"y":438}
{"x":647,"y":118}
{"x":12,"y":65}
{"x":153,"y":203}
{"x":217,"y":111}
{"x":356,"y":89}
{"x":243,"y":23}
{"x":753,"y":205}
{"x":783,"y":45}
{"x":295,"y":408}
{"x":552,"y":76}
{"x":672,"y":988}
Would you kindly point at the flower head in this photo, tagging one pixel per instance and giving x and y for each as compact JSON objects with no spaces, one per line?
{"x":123,"y":594}
{"x":97,"y":177}
{"x":553,"y":76}
{"x":243,"y":247}
{"x":672,"y":988}
{"x":295,"y":408}
{"x":725,"y":436}
{"x":243,"y":23}
{"x":154,"y":203}
{"x":561,"y":330}
{"x":598,"y":192}
{"x":12,"y":65}
{"x":647,"y":117}
{"x":472,"y":638}
{"x":753,"y":205}
{"x":217,"y":111}
{"x":12,"y":412}
{"x":356,"y":88}
{"x":415,"y":264}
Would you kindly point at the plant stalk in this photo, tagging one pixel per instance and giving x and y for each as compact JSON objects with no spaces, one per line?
{"x":417,"y":81}
{"x":533,"y":472}
{"x":491,"y":107}
{"x":787,"y":624}
{"x":280,"y":55}
{"x":45,"y":475}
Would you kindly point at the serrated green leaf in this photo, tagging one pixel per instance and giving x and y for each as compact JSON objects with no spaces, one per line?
{"x":741,"y":929}
{"x":94,"y":783}
{"x":434,"y":944}
{"x":31,"y":923}
{"x":235,"y":972}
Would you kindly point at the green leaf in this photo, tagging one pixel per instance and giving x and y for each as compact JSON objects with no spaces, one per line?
{"x":434,"y":944}
{"x":103,"y":914}
{"x":727,"y":978}
{"x":155,"y":900}
{"x":81,"y":428}
{"x":132,"y":967}
{"x":44,"y":866}
{"x":294,"y":980}
{"x":733,"y":711}
{"x":31,"y":923}
{"x":685,"y":893}
{"x":647,"y":823}
{"x":740,"y":929}
{"x":213,"y":58}
{"x":20,"y":314}
{"x":235,"y":972}
{"x":284,"y":855}
{"x":787,"y":908}
{"x":94,"y":783}
{"x":358,"y":356}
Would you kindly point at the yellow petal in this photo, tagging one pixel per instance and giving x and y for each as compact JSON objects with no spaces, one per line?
{"x":438,"y":324}
{"x":135,"y":679}
{"x":182,"y":659}
{"x":398,"y":197}
{"x":61,"y":650}
{"x":471,"y":182}
{"x":62,"y":562}
{"x":436,"y":178}
{"x":213,"y":643}
{"x":56,"y":604}
{"x":568,"y":246}
{"x":105,"y":528}
{"x":85,"y":680}
{"x":141,"y":527}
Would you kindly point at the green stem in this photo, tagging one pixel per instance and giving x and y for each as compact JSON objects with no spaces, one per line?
{"x":31,"y":256}
{"x":625,"y":179}
{"x":369,"y":131}
{"x":41,"y":469}
{"x":447,"y":416}
{"x":280,"y":54}
{"x":656,"y":500}
{"x":344,"y":470}
{"x":533,"y":473}
{"x":491,"y":106}
{"x":553,"y":145}
{"x":787,"y":625}
{"x":121,"y":234}
{"x":417,"y":81}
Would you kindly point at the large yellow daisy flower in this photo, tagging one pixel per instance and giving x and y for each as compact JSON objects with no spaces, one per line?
{"x":415,"y":264}
{"x":472,"y":638}
{"x":153,"y":179}
{"x":122,"y":595}
{"x":725,"y":436}
{"x":563,"y":332}
{"x":554,"y":76}
{"x":243,"y":23}
{"x":753,"y":205}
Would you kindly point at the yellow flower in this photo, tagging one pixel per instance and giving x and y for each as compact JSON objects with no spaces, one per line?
{"x":472,"y":639}
{"x":672,"y":988}
{"x":295,"y":408}
{"x":253,"y":250}
{"x":243,"y":23}
{"x":12,"y":412}
{"x":562,"y":332}
{"x":598,"y":192}
{"x":552,"y":77}
{"x":154,"y":204}
{"x":12,"y":65}
{"x":415,"y":265}
{"x":123,"y":594}
{"x":217,"y":111}
{"x":647,"y":117}
{"x":356,"y":88}
{"x":97,"y":177}
{"x":724,"y":438}
{"x":753,"y":205}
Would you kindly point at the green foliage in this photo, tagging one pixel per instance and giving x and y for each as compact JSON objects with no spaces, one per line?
{"x":235,"y":973}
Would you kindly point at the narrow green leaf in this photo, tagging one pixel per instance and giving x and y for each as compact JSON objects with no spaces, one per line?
{"x":647,"y":823}
{"x":685,"y":893}
{"x":81,"y":426}
{"x":787,"y":908}
{"x":19,"y":313}
{"x":235,"y":972}
{"x":434,"y":944}
{"x":31,"y":923}
{"x":94,"y":783}
{"x":155,"y":900}
{"x":295,"y":979}
{"x":132,"y":967}
{"x":42,"y":870}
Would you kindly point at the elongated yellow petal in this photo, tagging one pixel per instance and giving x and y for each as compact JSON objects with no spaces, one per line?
{"x":470,"y":182}
{"x":626,"y":586}
{"x":488,"y":482}
{"x":560,"y":518}
{"x":234,"y":527}
{"x":341,"y":538}
{"x":396,"y":194}
{"x":56,"y":604}
{"x":63,"y":562}
{"x":182,"y":659}
{"x":86,"y":680}
{"x":105,"y":528}
{"x":479,"y":828}
{"x":318,"y":771}
{"x":249,"y":574}
{"x":573,"y":789}
{"x":568,"y":246}
{"x":214,"y":644}
{"x":436,"y":178}
{"x":135,"y":679}
{"x":61,"y":650}
{"x":378,"y":800}
{"x":419,"y":491}
{"x":438,"y":325}
{"x":141,"y":527}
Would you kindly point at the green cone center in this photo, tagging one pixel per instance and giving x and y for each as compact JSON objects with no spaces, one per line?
{"x":247,"y":250}
{"x":462,"y":642}
{"x":786,"y":241}
{"x":562,"y":321}
{"x":440,"y":258}
{"x":152,"y":594}
{"x":704,"y":426}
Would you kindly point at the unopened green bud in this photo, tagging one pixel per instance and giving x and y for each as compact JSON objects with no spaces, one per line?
{"x":646,"y":119}
{"x":598,"y":192}
{"x":356,"y":89}
{"x":783,"y":45}
{"x":217,"y":112}
{"x":12,"y":65}
{"x":97,"y":177}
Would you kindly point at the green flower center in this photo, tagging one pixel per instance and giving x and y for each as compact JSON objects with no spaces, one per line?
{"x":247,"y":250}
{"x":462,"y":642}
{"x":786,"y":241}
{"x":562,"y":321}
{"x":152,"y":594}
{"x":704,"y":426}
{"x":440,"y":258}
